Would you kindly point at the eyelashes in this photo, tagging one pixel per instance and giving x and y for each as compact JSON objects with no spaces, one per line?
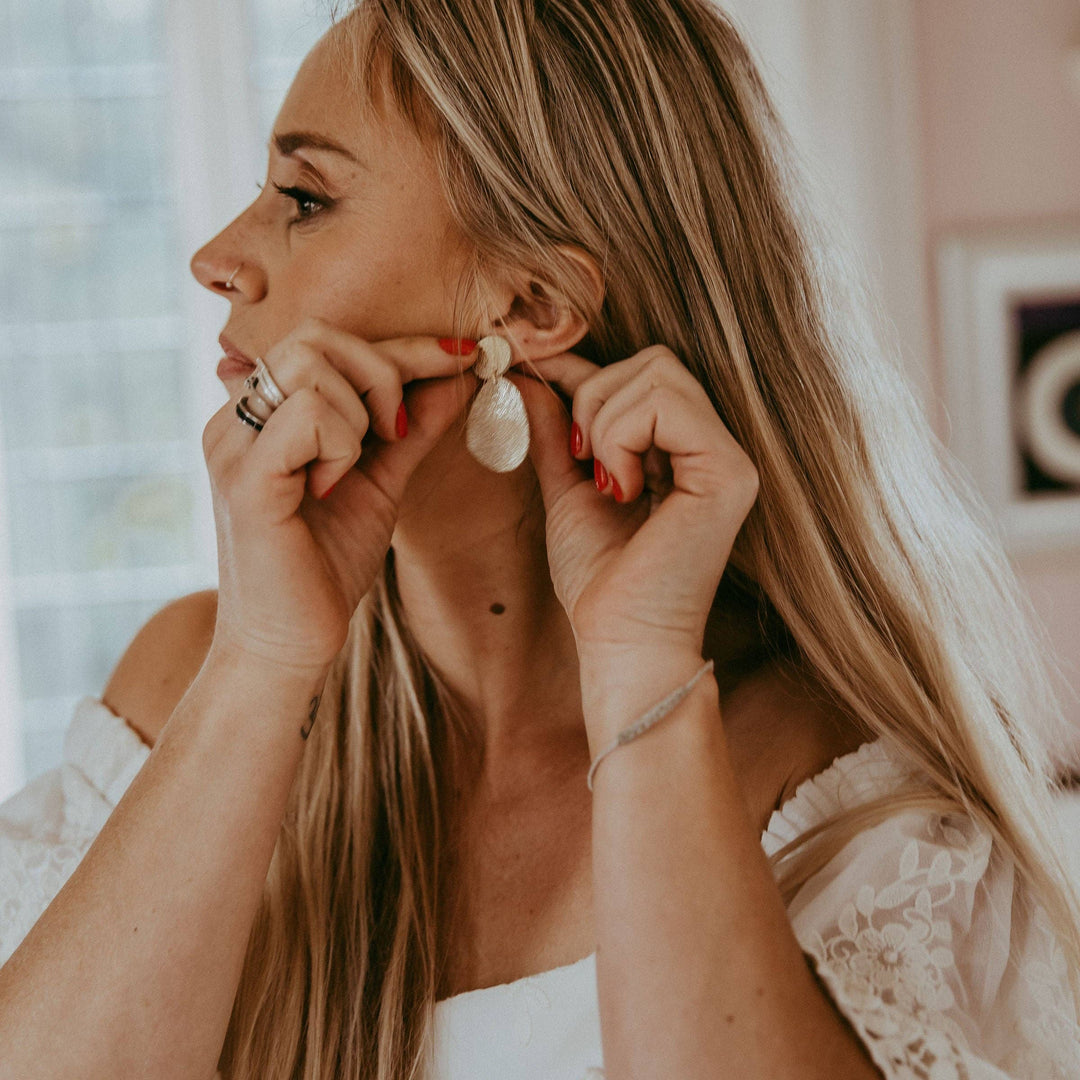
{"x":302,"y":199}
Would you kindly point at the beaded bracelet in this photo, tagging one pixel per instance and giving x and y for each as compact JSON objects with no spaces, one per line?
{"x":657,"y":712}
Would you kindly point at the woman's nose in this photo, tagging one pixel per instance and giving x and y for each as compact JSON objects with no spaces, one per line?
{"x":216,"y":272}
{"x":226,"y":273}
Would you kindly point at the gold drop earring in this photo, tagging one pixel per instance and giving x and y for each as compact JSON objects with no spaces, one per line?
{"x":497,"y":430}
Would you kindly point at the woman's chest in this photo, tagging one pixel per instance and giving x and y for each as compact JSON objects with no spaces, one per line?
{"x":516,"y":880}
{"x":515,"y":898}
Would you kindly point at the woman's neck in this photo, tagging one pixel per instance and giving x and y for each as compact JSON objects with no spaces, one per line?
{"x":470,"y":561}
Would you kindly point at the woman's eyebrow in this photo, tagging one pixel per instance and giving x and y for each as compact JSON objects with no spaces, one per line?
{"x":289,"y":142}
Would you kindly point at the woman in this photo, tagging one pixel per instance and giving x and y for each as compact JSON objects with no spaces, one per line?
{"x":382,"y":823}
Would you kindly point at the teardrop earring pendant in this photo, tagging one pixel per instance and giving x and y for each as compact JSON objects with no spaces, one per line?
{"x":497,"y":430}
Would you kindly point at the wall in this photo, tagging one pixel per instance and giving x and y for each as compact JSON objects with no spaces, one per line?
{"x":843,"y":76}
{"x":921,"y":116}
{"x":999,"y":109}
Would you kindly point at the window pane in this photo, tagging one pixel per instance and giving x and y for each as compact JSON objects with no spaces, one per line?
{"x":86,"y":639}
{"x":282,"y":34}
{"x":98,"y":149}
{"x":65,"y":650}
{"x":285,"y":29}
{"x":101,"y":523}
{"x":65,"y":32}
{"x":101,"y":451}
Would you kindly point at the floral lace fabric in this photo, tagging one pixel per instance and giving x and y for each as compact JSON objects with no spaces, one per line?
{"x":909,"y":928}
{"x":916,"y":928}
{"x":47,"y":827}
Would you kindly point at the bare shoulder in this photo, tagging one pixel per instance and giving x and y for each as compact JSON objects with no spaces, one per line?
{"x":779,"y":734}
{"x":160,"y":663}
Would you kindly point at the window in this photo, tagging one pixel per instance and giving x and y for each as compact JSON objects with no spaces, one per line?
{"x":130,"y":137}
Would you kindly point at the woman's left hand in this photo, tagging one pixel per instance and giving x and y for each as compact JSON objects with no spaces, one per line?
{"x":637,"y":563}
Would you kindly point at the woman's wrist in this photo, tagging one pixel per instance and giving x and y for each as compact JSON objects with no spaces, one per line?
{"x":620,"y":684}
{"x":258,"y":696}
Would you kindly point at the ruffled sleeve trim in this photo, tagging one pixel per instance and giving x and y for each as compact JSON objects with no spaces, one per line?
{"x":874,"y":769}
{"x":103,"y":748}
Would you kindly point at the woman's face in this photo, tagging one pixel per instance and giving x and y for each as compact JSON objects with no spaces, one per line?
{"x":370,"y":245}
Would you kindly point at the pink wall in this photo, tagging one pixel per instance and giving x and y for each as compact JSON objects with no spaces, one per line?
{"x":1001,"y":118}
{"x":1000,"y":112}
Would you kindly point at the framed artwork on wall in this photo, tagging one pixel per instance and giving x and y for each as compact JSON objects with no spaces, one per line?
{"x":1010,"y":333}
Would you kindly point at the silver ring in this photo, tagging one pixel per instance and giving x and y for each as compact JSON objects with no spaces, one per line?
{"x":261,"y":382}
{"x":259,"y":407}
{"x":252,"y":385}
{"x":247,"y":415}
{"x":229,"y":283}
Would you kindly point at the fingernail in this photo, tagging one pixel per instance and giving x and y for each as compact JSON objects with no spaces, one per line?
{"x":401,"y":425}
{"x":575,"y":438}
{"x":329,"y":489}
{"x":601,"y":475}
{"x":616,"y":490}
{"x":457,"y":346}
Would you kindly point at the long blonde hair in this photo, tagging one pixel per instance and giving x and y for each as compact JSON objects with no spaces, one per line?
{"x":640,"y":132}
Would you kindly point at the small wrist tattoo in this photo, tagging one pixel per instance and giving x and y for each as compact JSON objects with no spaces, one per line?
{"x":313,"y":708}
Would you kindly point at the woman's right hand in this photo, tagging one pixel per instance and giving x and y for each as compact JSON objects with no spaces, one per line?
{"x":293,"y":566}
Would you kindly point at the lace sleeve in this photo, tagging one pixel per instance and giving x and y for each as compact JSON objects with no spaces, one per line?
{"x":909,"y":929}
{"x":48,"y":826}
{"x":39,"y":850}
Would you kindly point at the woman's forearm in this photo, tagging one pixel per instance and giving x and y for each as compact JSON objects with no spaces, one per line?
{"x":133,"y":968}
{"x":700,"y":975}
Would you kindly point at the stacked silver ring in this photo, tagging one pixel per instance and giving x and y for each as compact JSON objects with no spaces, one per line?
{"x":265,"y":392}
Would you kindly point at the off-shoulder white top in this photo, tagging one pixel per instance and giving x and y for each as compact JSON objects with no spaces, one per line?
{"x":908,"y":927}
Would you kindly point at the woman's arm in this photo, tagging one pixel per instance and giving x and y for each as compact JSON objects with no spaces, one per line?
{"x":133,"y":968}
{"x":699,"y":971}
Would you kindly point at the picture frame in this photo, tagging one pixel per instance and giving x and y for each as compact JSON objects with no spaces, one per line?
{"x":1009,"y":307}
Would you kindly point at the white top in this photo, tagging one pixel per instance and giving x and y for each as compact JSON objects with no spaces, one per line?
{"x":908,"y":928}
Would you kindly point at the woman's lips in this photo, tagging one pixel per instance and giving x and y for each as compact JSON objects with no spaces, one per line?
{"x":234,"y":364}
{"x":231,"y":368}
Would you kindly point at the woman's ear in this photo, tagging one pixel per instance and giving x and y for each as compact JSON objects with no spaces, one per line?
{"x":538,"y":318}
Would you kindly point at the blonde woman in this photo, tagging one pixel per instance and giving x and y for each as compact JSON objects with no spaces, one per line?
{"x":382,"y":831}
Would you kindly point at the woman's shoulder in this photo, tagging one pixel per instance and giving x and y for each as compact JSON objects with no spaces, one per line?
{"x":159,"y":665}
{"x":47,"y":827}
{"x":779,"y":737}
{"x":922,"y":932}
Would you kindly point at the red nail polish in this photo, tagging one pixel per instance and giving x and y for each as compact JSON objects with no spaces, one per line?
{"x":616,"y":490}
{"x":600,"y":473}
{"x":457,"y":346}
{"x":329,"y":489}
{"x":401,"y":425}
{"x":575,"y":438}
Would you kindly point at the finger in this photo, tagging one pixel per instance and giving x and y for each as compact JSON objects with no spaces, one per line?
{"x":296,"y":364}
{"x":567,"y":371}
{"x":305,"y":431}
{"x":570,"y":374}
{"x":549,"y":438}
{"x":641,"y":416}
{"x":657,"y":363}
{"x":378,"y":369}
{"x":421,"y":357}
{"x":613,"y":457}
{"x":432,"y":406}
{"x":217,"y":427}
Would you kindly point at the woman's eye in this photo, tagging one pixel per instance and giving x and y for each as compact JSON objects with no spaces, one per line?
{"x":307,"y":204}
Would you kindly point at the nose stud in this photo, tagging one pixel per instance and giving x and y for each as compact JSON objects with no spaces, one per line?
{"x":229,"y":284}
